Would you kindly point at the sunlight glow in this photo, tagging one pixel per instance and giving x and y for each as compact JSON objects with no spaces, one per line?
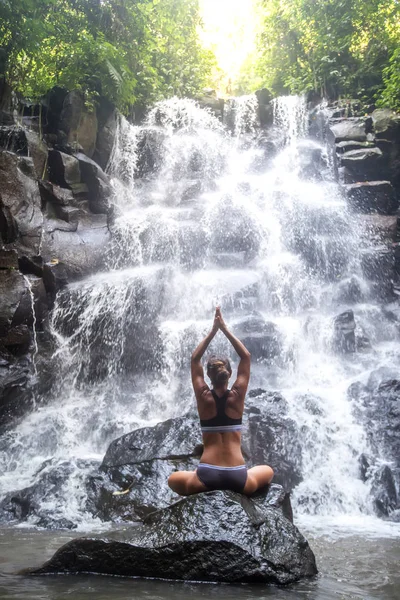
{"x":230,"y":31}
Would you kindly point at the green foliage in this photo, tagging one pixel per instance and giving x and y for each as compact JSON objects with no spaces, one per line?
{"x":127,"y":50}
{"x":335,"y":47}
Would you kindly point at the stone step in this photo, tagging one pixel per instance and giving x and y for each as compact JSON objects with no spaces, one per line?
{"x":371,"y":197}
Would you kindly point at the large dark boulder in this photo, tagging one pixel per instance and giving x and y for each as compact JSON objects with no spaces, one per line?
{"x":99,"y":189}
{"x":352,"y":129}
{"x":377,"y":405}
{"x":386,"y":124}
{"x":344,"y":339}
{"x":372,"y":197}
{"x":42,"y":503}
{"x":140,"y":462}
{"x":77,"y":125}
{"x":80,"y":244}
{"x":217,"y":536}
{"x":106,"y":137}
{"x":365,"y":164}
{"x":260,"y":337}
{"x":21,"y":218}
{"x":15,"y":395}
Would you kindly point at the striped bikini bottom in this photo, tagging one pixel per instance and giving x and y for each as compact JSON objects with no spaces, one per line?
{"x":222,"y":478}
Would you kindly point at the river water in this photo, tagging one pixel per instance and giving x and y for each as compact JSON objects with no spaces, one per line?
{"x":256,"y":223}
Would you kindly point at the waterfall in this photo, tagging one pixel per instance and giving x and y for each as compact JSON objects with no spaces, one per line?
{"x":201,"y":218}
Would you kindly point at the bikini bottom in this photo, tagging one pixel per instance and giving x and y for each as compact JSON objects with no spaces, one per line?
{"x":222,"y":478}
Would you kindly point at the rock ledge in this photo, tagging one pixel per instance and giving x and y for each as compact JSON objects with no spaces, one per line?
{"x":216,"y":536}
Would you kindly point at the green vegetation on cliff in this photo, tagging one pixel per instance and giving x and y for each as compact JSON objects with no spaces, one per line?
{"x":335,"y":47}
{"x":127,"y":50}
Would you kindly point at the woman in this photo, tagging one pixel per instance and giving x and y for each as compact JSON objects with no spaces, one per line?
{"x":220,"y":409}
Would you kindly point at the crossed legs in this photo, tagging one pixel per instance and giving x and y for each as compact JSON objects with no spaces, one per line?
{"x":186,"y":483}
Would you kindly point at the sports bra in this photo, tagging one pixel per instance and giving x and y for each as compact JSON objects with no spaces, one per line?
{"x":221,"y":422}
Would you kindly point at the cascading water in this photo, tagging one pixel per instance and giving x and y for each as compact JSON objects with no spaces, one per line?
{"x":204,"y":217}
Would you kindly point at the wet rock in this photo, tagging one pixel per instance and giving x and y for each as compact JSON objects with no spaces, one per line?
{"x":384,"y":492}
{"x":365,"y":164}
{"x":32,"y":503}
{"x":13,"y":292}
{"x":64,"y":171}
{"x":260,"y":337}
{"x":378,"y":407}
{"x":105,"y":138}
{"x":344,"y":340}
{"x":77,"y":123}
{"x":380,"y":228}
{"x":378,"y":265}
{"x":386,"y":123}
{"x":149,"y":151}
{"x":55,"y":194}
{"x":99,"y":189}
{"x":55,"y":277}
{"x":140,"y":463}
{"x":81,"y":245}
{"x":349,"y":130}
{"x":372,"y":197}
{"x":53,"y":103}
{"x":15,"y":396}
{"x":8,"y":259}
{"x":240,"y":233}
{"x":21,"y":219}
{"x":348,"y":145}
{"x":217,"y":536}
{"x":25,"y":142}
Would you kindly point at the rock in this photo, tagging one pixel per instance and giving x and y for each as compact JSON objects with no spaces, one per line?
{"x":78,"y":123}
{"x":349,"y":130}
{"x":378,"y":407}
{"x":53,"y":102}
{"x":25,"y":142}
{"x":15,"y":396}
{"x":365,"y":164}
{"x":21,"y":218}
{"x":99,"y":188}
{"x":34,"y":501}
{"x":381,"y":228}
{"x":372,"y":197}
{"x":344,"y":340}
{"x":64,"y":171}
{"x":54,"y":194}
{"x":384,"y":492}
{"x":8,"y":259}
{"x":264,"y":96}
{"x":81,"y":245}
{"x":17,"y":340}
{"x":240,"y":233}
{"x":271,"y":437}
{"x":141,"y":462}
{"x":217,"y":536}
{"x":38,"y":150}
{"x":13,"y":293}
{"x":261,"y":338}
{"x":55,"y":277}
{"x":378,"y":265}
{"x":348,"y":145}
{"x":386,"y":123}
{"x":105,"y":139}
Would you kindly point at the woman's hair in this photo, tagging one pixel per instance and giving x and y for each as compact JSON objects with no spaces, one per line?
{"x":219,"y":369}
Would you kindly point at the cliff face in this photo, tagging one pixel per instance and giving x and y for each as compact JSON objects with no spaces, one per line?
{"x":54,"y":211}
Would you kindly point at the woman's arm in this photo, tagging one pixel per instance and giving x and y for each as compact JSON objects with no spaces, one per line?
{"x":243,"y":372}
{"x":199,"y":385}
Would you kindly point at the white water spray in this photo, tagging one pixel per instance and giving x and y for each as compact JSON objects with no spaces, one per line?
{"x":202,"y":219}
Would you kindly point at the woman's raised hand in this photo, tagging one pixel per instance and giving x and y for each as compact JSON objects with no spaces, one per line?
{"x":219,"y":319}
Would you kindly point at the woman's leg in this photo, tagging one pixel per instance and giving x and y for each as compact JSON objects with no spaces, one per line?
{"x":186,"y":483}
{"x":257,"y":477}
